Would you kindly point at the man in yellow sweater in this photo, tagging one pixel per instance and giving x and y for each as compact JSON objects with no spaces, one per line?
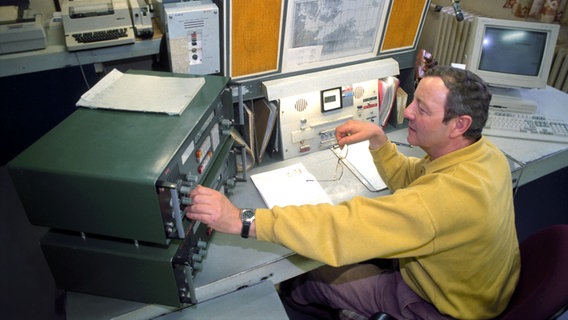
{"x":448,"y":224}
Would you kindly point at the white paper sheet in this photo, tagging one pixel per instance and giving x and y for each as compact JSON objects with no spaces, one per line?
{"x":291,"y":185}
{"x":145,"y":93}
{"x":360,"y":162}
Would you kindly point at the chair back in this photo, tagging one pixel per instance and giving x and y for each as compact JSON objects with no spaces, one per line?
{"x":542,"y":290}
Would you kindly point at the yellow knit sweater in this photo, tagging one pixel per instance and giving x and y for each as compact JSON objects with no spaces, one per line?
{"x":450,"y":222}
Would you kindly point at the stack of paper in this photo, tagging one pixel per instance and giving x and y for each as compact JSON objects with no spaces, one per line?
{"x":291,"y":185}
{"x":135,"y":92}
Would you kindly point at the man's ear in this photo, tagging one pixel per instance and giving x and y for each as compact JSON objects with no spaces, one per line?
{"x":461,"y":125}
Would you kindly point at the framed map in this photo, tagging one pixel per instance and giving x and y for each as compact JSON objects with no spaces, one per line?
{"x":321,"y":33}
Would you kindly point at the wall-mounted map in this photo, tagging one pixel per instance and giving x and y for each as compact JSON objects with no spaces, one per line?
{"x":327,"y":32}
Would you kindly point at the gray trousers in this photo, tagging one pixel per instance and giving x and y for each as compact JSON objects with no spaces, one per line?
{"x":364,"y":289}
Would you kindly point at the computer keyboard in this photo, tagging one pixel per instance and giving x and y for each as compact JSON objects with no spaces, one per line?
{"x":110,"y":34}
{"x":99,"y":38}
{"x":525,"y":126}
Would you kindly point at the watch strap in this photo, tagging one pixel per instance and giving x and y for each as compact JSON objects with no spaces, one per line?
{"x":246,"y":229}
{"x":247,"y":217}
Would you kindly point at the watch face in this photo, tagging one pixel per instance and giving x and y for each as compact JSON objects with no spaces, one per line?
{"x":247,"y":214}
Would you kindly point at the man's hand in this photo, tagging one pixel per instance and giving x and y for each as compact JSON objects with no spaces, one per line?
{"x":214,"y":209}
{"x":354,"y":131}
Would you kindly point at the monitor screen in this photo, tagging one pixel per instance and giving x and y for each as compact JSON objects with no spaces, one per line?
{"x":510,"y":53}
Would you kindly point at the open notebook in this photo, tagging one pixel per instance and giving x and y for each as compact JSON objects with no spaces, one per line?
{"x":291,"y":185}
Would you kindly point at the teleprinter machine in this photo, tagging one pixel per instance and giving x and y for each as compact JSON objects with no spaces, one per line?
{"x":91,"y":24}
{"x":112,"y":185}
{"x":23,"y":35}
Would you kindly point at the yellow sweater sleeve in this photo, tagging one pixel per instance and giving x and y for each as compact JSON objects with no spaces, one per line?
{"x":335,"y":234}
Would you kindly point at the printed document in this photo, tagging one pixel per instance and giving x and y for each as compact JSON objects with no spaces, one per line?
{"x":291,"y":185}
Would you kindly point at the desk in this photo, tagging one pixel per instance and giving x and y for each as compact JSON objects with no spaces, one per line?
{"x":235,"y":263}
{"x":56,"y":56}
{"x":536,"y":159}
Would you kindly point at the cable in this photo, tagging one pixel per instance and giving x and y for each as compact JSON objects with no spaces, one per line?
{"x":82,"y":71}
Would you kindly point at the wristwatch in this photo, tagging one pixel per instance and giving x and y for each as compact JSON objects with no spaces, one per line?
{"x":247,"y":217}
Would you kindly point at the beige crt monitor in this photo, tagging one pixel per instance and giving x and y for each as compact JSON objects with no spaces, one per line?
{"x":510,"y":54}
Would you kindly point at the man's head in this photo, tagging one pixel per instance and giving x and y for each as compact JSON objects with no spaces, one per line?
{"x":449,"y":110}
{"x":469,"y":95}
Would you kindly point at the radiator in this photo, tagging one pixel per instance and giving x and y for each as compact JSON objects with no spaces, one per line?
{"x":558,"y":76}
{"x":445,"y":36}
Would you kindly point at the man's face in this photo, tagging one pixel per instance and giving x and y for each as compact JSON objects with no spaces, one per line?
{"x":425,"y":117}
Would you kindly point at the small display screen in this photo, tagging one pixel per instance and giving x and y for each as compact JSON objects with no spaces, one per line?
{"x":331,"y":99}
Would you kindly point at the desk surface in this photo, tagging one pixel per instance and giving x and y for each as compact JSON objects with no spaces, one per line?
{"x":56,"y":56}
{"x":539,"y":158}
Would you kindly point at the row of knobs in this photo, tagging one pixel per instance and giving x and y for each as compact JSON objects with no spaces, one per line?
{"x":185,"y":189}
{"x":197,"y":257}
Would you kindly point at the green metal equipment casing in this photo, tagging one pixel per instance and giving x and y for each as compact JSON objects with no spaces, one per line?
{"x":108,"y":183}
{"x":97,"y":171}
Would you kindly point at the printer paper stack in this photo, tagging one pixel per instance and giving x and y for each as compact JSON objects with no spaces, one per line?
{"x":170,"y":95}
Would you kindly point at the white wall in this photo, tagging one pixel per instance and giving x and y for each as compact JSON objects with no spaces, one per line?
{"x":45,"y":7}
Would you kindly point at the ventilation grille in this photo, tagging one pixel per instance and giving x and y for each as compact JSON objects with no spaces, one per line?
{"x":301,"y":105}
{"x":193,"y":24}
{"x":558,"y":77}
{"x":358,"y":92}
